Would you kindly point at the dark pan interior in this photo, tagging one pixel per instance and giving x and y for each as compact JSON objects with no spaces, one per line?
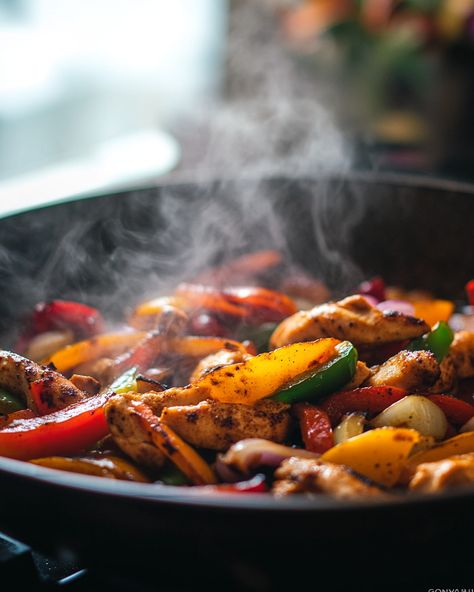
{"x":115,"y":249}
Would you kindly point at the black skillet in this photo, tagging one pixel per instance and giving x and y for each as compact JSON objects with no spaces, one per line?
{"x":110,"y":250}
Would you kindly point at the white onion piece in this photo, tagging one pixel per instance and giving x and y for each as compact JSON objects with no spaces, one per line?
{"x":468,"y":426}
{"x":398,"y":305}
{"x":417,"y":412}
{"x":246,"y":455}
{"x":45,"y":344}
{"x":352,"y":425}
{"x":462,"y":322}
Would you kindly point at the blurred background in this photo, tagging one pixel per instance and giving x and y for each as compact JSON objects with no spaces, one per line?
{"x":112,"y":93}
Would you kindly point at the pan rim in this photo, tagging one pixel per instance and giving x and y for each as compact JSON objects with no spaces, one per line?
{"x":177,"y":180}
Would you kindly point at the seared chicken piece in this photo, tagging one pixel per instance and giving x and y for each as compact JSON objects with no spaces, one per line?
{"x":127,"y":430}
{"x":362,"y":373}
{"x":18,"y":374}
{"x":354,"y":319}
{"x":129,"y":434}
{"x":444,"y":474}
{"x":412,"y":371}
{"x":216,"y":425}
{"x":298,"y":475}
{"x":462,"y":352}
{"x":87,"y":384}
{"x":447,"y":380}
{"x":224,"y":357}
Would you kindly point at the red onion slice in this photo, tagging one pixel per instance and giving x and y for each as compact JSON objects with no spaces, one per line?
{"x":247,"y":455}
{"x":402,"y":306}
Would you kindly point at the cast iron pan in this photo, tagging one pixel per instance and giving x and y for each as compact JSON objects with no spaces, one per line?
{"x":111,"y":250}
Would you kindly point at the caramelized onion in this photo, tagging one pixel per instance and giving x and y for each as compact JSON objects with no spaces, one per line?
{"x":245,"y":456}
{"x":468,"y":426}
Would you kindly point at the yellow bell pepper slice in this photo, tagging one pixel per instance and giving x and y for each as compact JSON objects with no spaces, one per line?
{"x":199,"y":347}
{"x":379,"y":454}
{"x":110,"y":466}
{"x":100,"y":346}
{"x":112,"y":344}
{"x":265,"y":374}
{"x":432,"y":311}
{"x":460,"y":444}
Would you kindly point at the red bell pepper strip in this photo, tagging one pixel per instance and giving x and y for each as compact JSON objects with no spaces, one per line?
{"x":65,"y":314}
{"x":369,"y":399}
{"x":253,"y":305}
{"x":255,"y":485}
{"x":41,"y":403}
{"x":315,"y":427}
{"x":374,"y":287}
{"x":470,"y":292}
{"x":456,"y":410}
{"x":65,"y":432}
{"x":141,"y":356}
{"x":84,"y":321}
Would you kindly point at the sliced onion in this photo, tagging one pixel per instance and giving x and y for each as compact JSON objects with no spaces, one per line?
{"x":462,"y":322}
{"x":249,"y":454}
{"x":45,"y":344}
{"x":417,"y":412}
{"x":468,"y":426}
{"x":352,"y":425}
{"x":397,"y":305}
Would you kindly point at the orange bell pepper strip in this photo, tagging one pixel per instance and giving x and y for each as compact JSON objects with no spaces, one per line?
{"x":172,"y":446}
{"x":432,"y":311}
{"x":100,"y":346}
{"x":64,"y":432}
{"x":104,"y":465}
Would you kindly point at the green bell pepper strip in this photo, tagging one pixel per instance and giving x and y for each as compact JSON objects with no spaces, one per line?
{"x":437,"y":341}
{"x":9,"y":403}
{"x":324,"y":380}
{"x":125,"y":382}
{"x":171,"y":475}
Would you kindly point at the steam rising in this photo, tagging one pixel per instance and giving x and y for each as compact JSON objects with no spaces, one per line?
{"x":269,"y":124}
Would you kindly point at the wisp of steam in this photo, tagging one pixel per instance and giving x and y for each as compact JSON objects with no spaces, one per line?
{"x":268,"y":124}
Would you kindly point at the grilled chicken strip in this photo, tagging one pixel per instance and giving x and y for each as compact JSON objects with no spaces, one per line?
{"x":462,"y":353}
{"x":18,"y":374}
{"x":223,"y":357}
{"x":217,"y":426}
{"x":444,"y":474}
{"x":129,"y":434}
{"x":127,"y":430}
{"x":298,"y":475}
{"x":354,"y":319}
{"x":412,"y":371}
